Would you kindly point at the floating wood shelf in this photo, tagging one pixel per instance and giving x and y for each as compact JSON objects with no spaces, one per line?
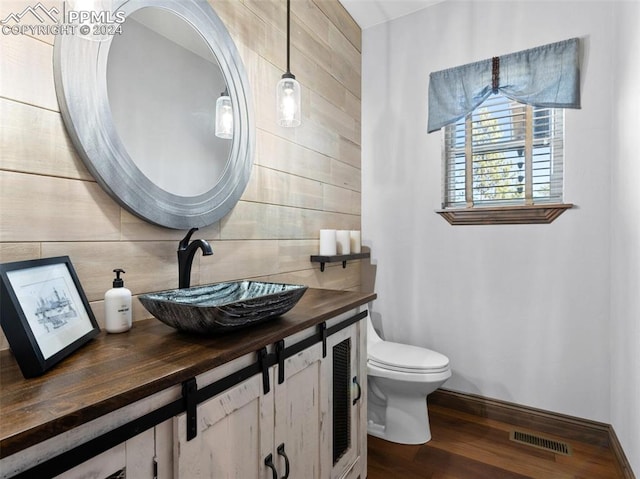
{"x":505,"y":215}
{"x":338,"y":258}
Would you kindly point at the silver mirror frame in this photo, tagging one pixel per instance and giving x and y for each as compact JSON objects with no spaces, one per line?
{"x":81,"y":87}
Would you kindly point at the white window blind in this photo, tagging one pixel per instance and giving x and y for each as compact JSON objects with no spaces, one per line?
{"x":504,"y":153}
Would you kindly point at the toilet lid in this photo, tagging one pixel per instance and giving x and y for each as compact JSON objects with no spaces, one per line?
{"x":406,"y":358}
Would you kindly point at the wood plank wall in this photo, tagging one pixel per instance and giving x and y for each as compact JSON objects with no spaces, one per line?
{"x":303,"y":179}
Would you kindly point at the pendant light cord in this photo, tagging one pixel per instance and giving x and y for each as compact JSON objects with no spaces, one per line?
{"x":288,"y":32}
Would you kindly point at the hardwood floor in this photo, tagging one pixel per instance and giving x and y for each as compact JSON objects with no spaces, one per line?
{"x":467,"y":446}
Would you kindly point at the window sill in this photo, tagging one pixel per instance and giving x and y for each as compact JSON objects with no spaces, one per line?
{"x":505,"y":215}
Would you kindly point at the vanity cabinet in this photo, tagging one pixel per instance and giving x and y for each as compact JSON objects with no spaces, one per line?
{"x":246,"y":433}
{"x":241,"y":428}
{"x":303,"y":417}
{"x":155,"y":404}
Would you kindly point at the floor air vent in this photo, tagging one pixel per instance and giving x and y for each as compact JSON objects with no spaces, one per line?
{"x":541,"y":442}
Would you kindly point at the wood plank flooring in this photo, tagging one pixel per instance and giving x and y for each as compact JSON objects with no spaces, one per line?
{"x":466,"y":446}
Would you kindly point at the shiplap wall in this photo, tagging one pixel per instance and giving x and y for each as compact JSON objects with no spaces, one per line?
{"x":303,"y":179}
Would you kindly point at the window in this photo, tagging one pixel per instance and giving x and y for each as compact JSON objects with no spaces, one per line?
{"x":503,"y":121}
{"x":504,"y":153}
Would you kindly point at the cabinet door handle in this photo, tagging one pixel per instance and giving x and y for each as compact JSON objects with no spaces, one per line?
{"x":359,"y":395}
{"x":268,"y":461}
{"x":286,"y":461}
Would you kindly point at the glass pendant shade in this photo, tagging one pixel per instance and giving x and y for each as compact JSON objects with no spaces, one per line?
{"x":224,"y":117}
{"x":288,"y":101}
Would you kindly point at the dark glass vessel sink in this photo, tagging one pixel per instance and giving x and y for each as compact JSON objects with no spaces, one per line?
{"x":221,"y":307}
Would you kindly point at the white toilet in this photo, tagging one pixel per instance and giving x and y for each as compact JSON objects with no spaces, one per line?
{"x":400,"y":377}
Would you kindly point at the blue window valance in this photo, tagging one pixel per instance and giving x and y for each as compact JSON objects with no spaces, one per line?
{"x":546,"y":76}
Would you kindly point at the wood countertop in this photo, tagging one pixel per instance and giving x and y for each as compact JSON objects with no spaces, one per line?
{"x":115,"y":370}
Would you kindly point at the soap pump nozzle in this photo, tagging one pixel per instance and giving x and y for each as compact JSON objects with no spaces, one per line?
{"x":118,"y":282}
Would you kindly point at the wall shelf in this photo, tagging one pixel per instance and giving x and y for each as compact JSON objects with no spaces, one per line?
{"x":338,"y":258}
{"x":505,"y":215}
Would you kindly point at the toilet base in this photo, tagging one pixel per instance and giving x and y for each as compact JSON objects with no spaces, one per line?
{"x":407,"y":422}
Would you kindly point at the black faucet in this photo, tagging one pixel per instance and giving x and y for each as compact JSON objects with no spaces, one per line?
{"x":186,"y":252}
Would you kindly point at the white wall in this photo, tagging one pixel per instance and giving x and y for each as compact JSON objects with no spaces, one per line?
{"x":530,"y":314}
{"x":625,"y":243}
{"x":521,"y":311}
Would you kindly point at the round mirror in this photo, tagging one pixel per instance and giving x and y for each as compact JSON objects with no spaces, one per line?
{"x":140,"y":108}
{"x":172,"y":118}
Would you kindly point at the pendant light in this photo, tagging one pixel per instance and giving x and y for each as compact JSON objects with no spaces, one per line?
{"x":288,"y":89}
{"x":224,"y":116}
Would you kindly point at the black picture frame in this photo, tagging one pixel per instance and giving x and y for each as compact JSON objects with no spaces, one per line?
{"x":44,"y":312}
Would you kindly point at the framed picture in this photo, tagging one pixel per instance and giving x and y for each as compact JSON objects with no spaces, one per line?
{"x":44,"y":312}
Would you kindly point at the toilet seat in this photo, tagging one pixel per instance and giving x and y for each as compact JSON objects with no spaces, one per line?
{"x":406,"y":358}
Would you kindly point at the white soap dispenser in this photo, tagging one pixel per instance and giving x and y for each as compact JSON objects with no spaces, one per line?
{"x":117,"y":306}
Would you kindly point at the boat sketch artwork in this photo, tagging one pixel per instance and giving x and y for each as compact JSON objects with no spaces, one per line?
{"x":52,"y":305}
{"x":55,"y":310}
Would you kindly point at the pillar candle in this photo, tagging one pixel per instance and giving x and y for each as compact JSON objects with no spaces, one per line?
{"x":356,"y":241}
{"x":343,"y":242}
{"x":327,"y":242}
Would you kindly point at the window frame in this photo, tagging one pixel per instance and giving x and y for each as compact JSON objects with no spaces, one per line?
{"x":526,"y":207}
